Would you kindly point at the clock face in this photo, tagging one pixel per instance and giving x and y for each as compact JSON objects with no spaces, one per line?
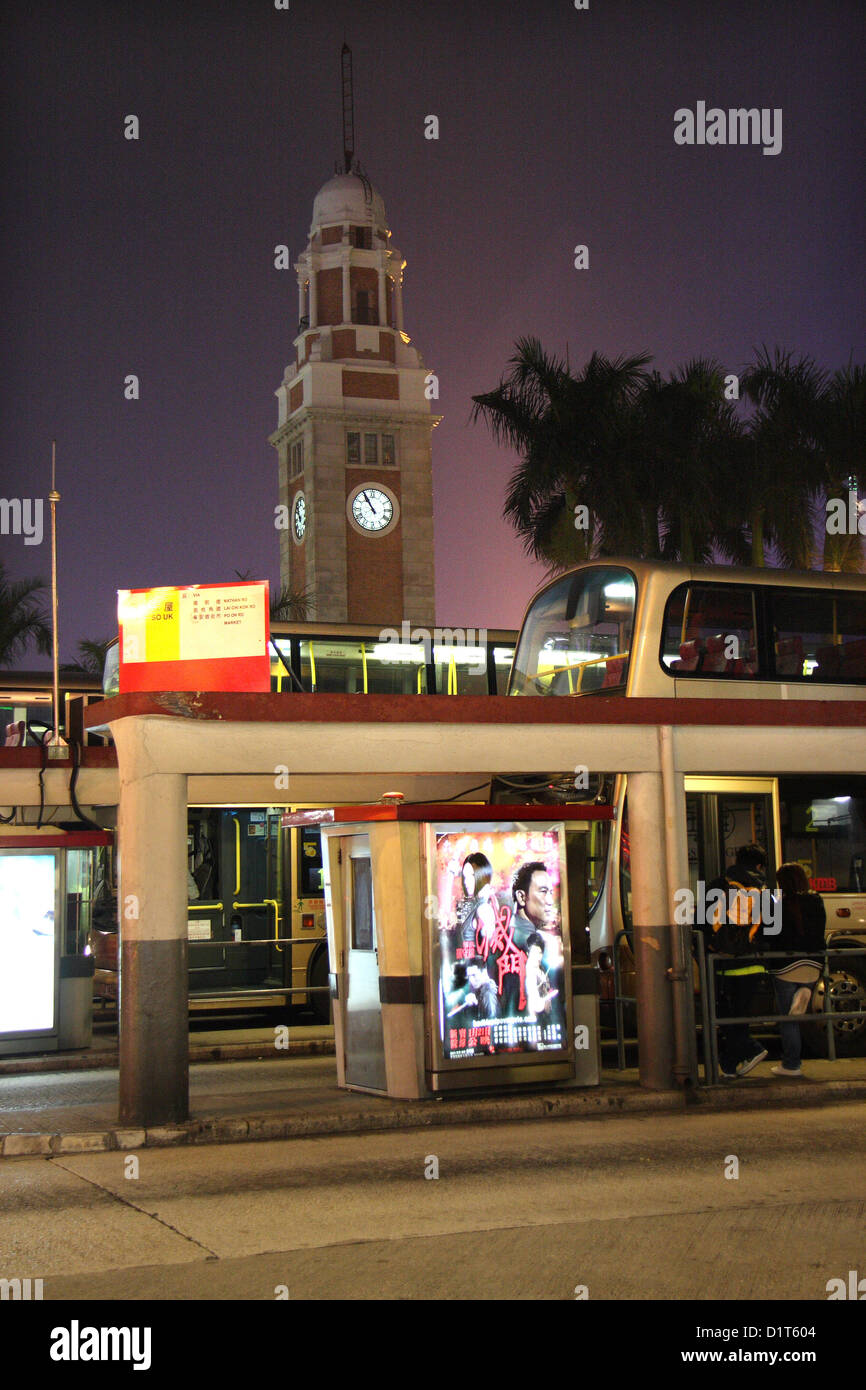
{"x":299,"y":516}
{"x":372,"y":509}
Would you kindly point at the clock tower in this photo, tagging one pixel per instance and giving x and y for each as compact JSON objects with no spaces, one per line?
{"x":355,"y":424}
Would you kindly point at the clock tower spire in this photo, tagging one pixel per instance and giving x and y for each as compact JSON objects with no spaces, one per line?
{"x":355,"y":422}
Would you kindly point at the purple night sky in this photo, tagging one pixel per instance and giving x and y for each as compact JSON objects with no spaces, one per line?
{"x":556,"y":128}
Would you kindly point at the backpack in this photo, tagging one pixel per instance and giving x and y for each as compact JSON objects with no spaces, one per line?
{"x":735,"y":924}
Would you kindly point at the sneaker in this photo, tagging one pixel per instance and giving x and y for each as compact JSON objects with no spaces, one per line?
{"x":801,"y":1001}
{"x":743,"y":1068}
{"x":728,"y":1075}
{"x":786,"y":1071}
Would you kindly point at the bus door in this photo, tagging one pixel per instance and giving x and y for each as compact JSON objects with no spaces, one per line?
{"x":365,"y":1040}
{"x":235,"y":907}
{"x":305,"y":873}
{"x":722,"y":815}
{"x":251,"y":864}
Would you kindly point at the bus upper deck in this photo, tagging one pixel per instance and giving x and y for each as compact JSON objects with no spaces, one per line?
{"x":639,"y":628}
{"x":311,"y":657}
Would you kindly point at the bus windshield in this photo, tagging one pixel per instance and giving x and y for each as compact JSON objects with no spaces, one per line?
{"x":576,"y":637}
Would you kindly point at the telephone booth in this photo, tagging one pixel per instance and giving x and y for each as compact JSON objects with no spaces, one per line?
{"x":459,"y":946}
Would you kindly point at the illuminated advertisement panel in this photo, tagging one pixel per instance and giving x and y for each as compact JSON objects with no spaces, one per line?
{"x":195,"y":637}
{"x":501,"y":961}
{"x":27,"y":942}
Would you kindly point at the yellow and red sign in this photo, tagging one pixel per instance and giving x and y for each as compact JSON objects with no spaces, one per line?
{"x":195,"y":637}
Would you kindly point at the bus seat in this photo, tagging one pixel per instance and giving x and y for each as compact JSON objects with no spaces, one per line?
{"x":789,"y":656}
{"x":715,"y":660}
{"x":613,"y":672}
{"x":852,"y":659}
{"x":690,"y":656}
{"x":828,"y":662}
{"x":746,"y":665}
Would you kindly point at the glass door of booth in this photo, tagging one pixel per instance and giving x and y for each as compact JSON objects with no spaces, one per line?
{"x":364,"y":1036}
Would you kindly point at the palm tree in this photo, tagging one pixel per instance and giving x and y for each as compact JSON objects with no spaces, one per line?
{"x":287,"y":604}
{"x":691,"y":439}
{"x":22,"y":619}
{"x":91,"y":657}
{"x":290,"y":605}
{"x":576,"y":438}
{"x":843,"y":438}
{"x":784,"y":466}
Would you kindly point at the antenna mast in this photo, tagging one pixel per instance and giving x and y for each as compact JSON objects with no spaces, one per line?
{"x":348,"y":109}
{"x":57,"y":747}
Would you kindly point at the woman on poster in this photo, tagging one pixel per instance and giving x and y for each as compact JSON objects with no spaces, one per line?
{"x":475,"y":913}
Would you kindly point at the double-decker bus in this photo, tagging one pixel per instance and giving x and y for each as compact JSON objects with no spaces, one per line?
{"x":633,"y":628}
{"x":27,"y":706}
{"x":256,"y":891}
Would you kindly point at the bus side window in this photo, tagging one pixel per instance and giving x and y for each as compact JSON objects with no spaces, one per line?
{"x":625,"y":869}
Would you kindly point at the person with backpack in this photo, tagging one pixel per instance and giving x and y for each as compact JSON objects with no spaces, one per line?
{"x":803,"y":923}
{"x":733,"y":929}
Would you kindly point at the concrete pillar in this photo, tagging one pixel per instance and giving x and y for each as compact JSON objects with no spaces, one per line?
{"x":154,"y":967}
{"x":347,"y":292}
{"x":682,"y":961}
{"x":301,"y":298}
{"x":652,"y":929}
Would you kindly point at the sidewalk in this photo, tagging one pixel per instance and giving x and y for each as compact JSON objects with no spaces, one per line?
{"x":270,"y":1094}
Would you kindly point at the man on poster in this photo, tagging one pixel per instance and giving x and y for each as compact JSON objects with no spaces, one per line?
{"x":535,"y":911}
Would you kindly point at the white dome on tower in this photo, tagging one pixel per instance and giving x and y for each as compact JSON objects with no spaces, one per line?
{"x":348,"y":198}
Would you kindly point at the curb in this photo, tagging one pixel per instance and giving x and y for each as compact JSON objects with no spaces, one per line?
{"x":110,"y":1061}
{"x":588,"y":1104}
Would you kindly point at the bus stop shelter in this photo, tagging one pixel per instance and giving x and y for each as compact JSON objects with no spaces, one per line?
{"x":164,"y":739}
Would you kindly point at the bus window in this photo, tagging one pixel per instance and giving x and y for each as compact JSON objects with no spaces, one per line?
{"x":576,"y":637}
{"x":460,"y":669}
{"x":281,"y":662}
{"x":824,"y":829}
{"x":625,"y":869}
{"x":111,"y":670}
{"x":709,"y":629}
{"x":502,"y":659}
{"x":819,"y":635}
{"x":358,"y":667}
{"x":596,"y":860}
{"x":310,"y":869}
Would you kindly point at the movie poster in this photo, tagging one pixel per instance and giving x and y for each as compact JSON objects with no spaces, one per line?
{"x":502,"y":966}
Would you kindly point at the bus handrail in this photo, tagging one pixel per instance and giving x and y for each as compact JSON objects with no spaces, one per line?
{"x":708,"y":979}
{"x":714,"y":1021}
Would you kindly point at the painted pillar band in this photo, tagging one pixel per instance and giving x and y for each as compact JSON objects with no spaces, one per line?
{"x":655,"y":1025}
{"x":154,"y":981}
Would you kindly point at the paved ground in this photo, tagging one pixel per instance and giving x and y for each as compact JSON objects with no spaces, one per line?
{"x":624,"y":1208}
{"x":278,"y":1096}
